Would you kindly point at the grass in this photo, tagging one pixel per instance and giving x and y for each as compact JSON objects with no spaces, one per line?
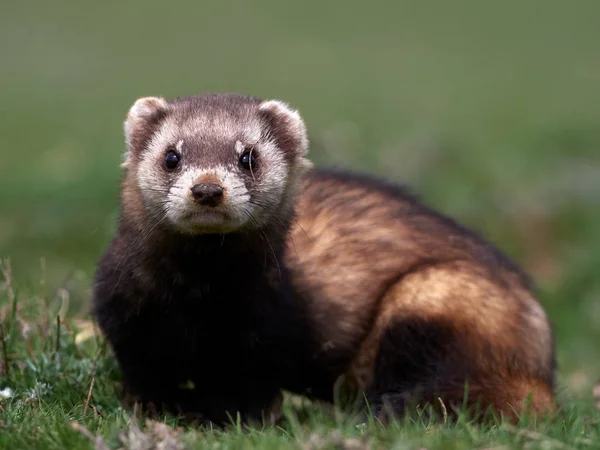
{"x":489,"y":110}
{"x":62,"y":393}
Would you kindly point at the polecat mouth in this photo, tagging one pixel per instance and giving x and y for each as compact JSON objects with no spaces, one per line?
{"x":208,"y":221}
{"x":208,"y":215}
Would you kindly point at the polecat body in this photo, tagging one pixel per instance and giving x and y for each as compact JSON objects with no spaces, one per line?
{"x":414,"y":306}
{"x":236,"y":269}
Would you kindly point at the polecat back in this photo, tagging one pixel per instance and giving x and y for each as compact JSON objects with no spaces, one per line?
{"x":414,"y":306}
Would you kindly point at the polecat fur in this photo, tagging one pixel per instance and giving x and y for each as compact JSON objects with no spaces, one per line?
{"x":238,"y":271}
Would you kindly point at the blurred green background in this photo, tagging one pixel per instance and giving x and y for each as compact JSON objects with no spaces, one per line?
{"x":491,"y":110}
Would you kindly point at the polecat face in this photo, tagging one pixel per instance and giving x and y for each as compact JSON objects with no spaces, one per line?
{"x":214,"y":163}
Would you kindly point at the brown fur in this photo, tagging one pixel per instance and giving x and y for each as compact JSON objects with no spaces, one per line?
{"x":372,"y":263}
{"x":374,"y":287}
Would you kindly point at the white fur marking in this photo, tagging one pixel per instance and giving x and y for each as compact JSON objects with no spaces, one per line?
{"x":146,"y":106}
{"x":239,"y":147}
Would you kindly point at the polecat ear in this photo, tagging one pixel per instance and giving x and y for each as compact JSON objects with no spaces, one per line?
{"x":287,"y":127}
{"x":141,"y":123}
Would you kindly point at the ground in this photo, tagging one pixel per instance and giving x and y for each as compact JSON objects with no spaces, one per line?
{"x":490,"y":111}
{"x":62,"y":386}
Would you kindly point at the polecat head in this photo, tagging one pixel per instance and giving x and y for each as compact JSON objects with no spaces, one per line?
{"x":212,"y":163}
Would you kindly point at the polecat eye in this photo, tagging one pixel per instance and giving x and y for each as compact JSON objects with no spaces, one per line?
{"x":171,"y":160}
{"x":248,"y":160}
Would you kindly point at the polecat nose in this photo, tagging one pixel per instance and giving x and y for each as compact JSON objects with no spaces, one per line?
{"x":208,"y":194}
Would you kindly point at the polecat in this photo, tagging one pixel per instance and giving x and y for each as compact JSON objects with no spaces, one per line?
{"x":237,"y":271}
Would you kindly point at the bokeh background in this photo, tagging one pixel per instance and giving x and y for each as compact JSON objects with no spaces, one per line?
{"x":490,"y":110}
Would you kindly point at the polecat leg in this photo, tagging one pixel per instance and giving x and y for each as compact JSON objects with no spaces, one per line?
{"x":450,"y":337}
